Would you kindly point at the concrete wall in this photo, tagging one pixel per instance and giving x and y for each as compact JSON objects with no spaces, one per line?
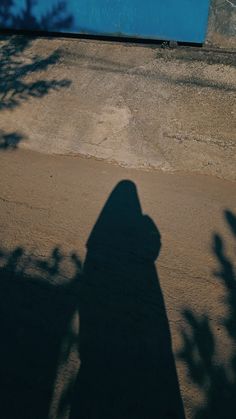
{"x":222,"y":24}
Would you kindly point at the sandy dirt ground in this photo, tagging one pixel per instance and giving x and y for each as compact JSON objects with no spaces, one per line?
{"x":117,"y":220}
{"x":52,"y":229}
{"x":137,"y":105}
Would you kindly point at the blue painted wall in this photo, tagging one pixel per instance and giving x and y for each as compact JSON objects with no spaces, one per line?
{"x":180,"y":20}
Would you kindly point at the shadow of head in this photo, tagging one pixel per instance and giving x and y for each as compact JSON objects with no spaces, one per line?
{"x":122,"y":227}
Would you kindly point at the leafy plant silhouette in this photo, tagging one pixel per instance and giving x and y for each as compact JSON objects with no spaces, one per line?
{"x":55,"y":19}
{"x":15,"y":88}
{"x":216,"y":381}
{"x":17,"y":83}
{"x":10,"y":140}
{"x":37,"y":306}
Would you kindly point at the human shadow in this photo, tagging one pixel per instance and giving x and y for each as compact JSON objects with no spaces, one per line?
{"x":93,"y":341}
{"x":127,"y":364}
{"x":214,"y":378}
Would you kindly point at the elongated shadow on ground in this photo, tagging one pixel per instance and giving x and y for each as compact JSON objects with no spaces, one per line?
{"x":94,"y":343}
{"x":127,"y":365}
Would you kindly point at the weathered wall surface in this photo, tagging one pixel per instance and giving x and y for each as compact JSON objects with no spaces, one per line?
{"x":222,"y":24}
{"x":183,"y":21}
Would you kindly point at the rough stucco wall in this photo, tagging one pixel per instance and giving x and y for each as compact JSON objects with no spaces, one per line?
{"x":222,"y":24}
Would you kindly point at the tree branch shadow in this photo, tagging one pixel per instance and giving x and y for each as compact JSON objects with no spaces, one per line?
{"x":17,"y":68}
{"x":216,"y":380}
{"x":55,"y":19}
{"x":10,"y":141}
{"x":37,"y":303}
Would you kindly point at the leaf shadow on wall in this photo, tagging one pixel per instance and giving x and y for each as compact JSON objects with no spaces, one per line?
{"x":54,"y":19}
